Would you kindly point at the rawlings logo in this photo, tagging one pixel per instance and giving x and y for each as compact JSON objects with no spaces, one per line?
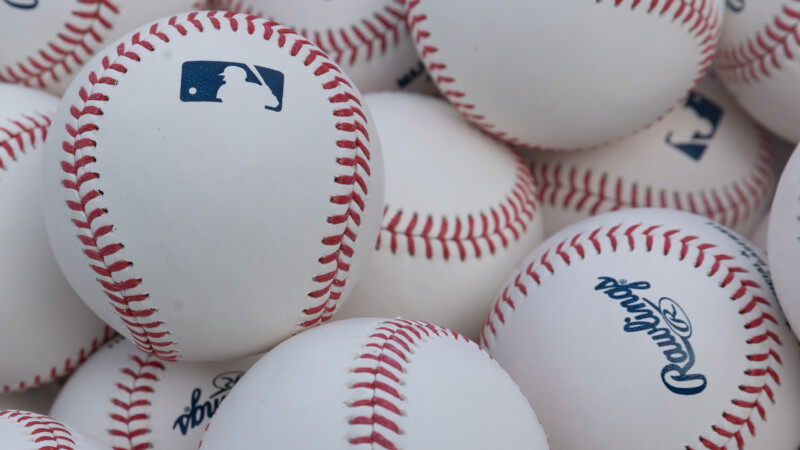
{"x":412,"y":74}
{"x":197,"y":412}
{"x":230,"y":82}
{"x":705,"y":117}
{"x":30,"y":4}
{"x":673,"y":338}
{"x":735,"y":5}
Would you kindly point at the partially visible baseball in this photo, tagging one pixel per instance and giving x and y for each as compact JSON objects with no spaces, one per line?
{"x":565,"y":75}
{"x":369,"y":39}
{"x":460,"y":214}
{"x":666,"y":315}
{"x":783,"y":240}
{"x":45,"y":43}
{"x":706,"y":157}
{"x":24,"y":430}
{"x":45,"y":329}
{"x":214,"y":184}
{"x":126,"y":398}
{"x":375,"y":383}
{"x":758,"y":63}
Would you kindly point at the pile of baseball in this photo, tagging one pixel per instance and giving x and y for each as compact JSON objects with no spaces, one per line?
{"x":399,"y":224}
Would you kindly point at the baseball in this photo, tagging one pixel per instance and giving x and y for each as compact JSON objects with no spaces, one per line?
{"x":667,"y":316}
{"x":52,"y":40}
{"x":757,"y":61}
{"x":213,"y":185}
{"x":447,"y":243}
{"x":706,"y":157}
{"x":783,"y":240}
{"x":565,"y":75}
{"x":126,"y":398}
{"x":27,"y":430}
{"x":369,"y":39}
{"x":45,"y":328}
{"x":375,"y":383}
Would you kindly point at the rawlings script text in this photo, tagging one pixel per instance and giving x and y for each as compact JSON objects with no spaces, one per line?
{"x":197,"y":412}
{"x":666,"y":324}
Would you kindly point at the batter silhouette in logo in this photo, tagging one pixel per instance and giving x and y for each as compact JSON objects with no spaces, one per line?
{"x":705,"y":116}
{"x":232,"y":83}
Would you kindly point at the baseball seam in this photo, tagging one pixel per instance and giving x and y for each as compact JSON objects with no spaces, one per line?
{"x":48,"y":434}
{"x":31,"y":130}
{"x":69,"y":49}
{"x":571,"y":188}
{"x":137,"y":387}
{"x":602,"y":239}
{"x":464,"y":236}
{"x":358,"y":42}
{"x":705,"y":28}
{"x":759,"y":55}
{"x":386,"y":361}
{"x":13,"y":140}
{"x":149,"y":334}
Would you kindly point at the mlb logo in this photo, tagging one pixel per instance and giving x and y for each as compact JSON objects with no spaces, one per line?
{"x":705,"y":116}
{"x":232,"y":82}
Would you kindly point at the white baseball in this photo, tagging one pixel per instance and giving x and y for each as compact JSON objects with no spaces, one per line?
{"x":126,"y":398}
{"x":45,"y":328}
{"x":460,"y":214}
{"x":369,"y":39}
{"x":47,"y":42}
{"x":758,"y":63}
{"x":213,"y":185}
{"x":783,"y":240}
{"x":706,"y":157}
{"x":24,"y":430}
{"x":565,"y":75}
{"x":372,"y":383}
{"x":665,"y":316}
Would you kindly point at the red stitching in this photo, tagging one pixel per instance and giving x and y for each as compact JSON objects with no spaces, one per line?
{"x":747,"y":293}
{"x":66,"y":54}
{"x":757,"y":56}
{"x":392,"y":340}
{"x":462,"y":236}
{"x":124,"y":295}
{"x":29,"y":130}
{"x":136,"y":389}
{"x":47,"y":433}
{"x":705,"y":27}
{"x":730,"y":205}
{"x":361,"y":41}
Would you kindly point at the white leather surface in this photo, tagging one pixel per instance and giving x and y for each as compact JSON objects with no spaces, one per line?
{"x":593,"y":357}
{"x":564,"y":75}
{"x":304,"y":394}
{"x":368,"y":38}
{"x":783,"y":240}
{"x":170,"y":404}
{"x":441,"y":168}
{"x":734,"y":159}
{"x":222,"y":207}
{"x":44,"y":326}
{"x":77,"y":28}
{"x":760,"y":38}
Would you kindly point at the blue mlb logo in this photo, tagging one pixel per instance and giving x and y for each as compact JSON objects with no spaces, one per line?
{"x":231,"y":82}
{"x":706,"y":116}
